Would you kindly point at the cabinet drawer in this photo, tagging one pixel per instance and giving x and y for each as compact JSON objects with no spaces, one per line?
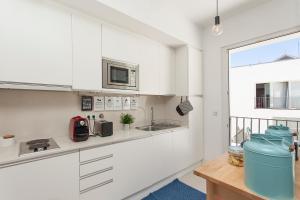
{"x":96,"y":181}
{"x":96,"y":165}
{"x":105,"y":192}
{"x":99,"y":152}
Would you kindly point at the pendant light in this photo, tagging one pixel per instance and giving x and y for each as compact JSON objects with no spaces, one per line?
{"x":217,"y":28}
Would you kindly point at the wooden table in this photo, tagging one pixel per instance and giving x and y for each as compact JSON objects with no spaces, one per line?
{"x":226,"y":182}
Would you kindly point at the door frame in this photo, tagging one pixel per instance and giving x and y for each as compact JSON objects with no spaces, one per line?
{"x":225,"y":74}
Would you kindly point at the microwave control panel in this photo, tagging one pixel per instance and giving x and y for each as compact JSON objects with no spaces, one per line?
{"x":132,"y":78}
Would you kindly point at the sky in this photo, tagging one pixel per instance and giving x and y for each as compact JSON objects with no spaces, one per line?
{"x":265,"y":53}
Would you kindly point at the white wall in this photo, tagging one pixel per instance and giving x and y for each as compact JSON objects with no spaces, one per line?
{"x":265,"y":19}
{"x":160,"y":15}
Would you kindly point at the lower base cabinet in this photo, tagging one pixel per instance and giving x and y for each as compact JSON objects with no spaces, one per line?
{"x":142,"y":163}
{"x":134,"y":160}
{"x":48,"y":179}
{"x":97,"y":173}
{"x":110,"y":172}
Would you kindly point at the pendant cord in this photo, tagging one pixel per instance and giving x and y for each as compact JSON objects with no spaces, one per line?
{"x":217,"y":7}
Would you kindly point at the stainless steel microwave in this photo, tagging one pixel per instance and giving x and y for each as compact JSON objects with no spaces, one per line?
{"x":119,"y":75}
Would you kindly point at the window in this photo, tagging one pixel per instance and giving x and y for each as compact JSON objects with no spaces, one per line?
{"x":262,"y":95}
{"x":278,"y":95}
{"x":294,"y":94}
{"x":278,"y":49}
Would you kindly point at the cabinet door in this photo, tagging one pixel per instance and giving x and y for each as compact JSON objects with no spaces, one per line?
{"x":133,"y":166}
{"x":195,"y":72}
{"x":149,"y":67}
{"x":49,"y":179}
{"x":166,"y":70}
{"x":182,"y":71}
{"x":196,"y":128}
{"x":162,"y":164}
{"x":36,"y":45}
{"x":87,"y":72}
{"x":119,"y":44}
{"x":182,"y":150}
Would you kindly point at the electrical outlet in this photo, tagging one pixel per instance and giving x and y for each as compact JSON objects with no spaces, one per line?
{"x":215,"y":113}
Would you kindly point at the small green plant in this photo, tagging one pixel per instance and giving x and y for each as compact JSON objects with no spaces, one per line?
{"x":127,"y":118}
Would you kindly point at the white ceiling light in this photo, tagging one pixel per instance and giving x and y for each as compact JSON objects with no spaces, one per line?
{"x":217,"y":28}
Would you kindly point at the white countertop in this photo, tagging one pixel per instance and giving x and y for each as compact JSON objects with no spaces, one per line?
{"x":10,"y":155}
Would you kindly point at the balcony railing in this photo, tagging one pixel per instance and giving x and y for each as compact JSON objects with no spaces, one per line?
{"x":262,"y":102}
{"x":277,"y":102}
{"x":240,"y":128}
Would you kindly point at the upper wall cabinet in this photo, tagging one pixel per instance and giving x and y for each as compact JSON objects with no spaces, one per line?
{"x":195,"y":72}
{"x":166,"y":70}
{"x":156,"y":62}
{"x":119,"y":45}
{"x":87,"y":71}
{"x":148,"y":59}
{"x":188,"y":71}
{"x":36,"y":45}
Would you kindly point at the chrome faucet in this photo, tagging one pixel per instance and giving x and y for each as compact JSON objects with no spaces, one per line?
{"x":152,"y":116}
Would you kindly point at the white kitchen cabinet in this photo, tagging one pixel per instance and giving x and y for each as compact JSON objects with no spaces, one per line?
{"x":133,"y":169}
{"x":149,"y":67}
{"x":97,"y":173}
{"x":182,"y":72}
{"x":162,"y":164}
{"x":196,"y":128}
{"x":125,"y":46}
{"x":166,"y":70}
{"x":195,"y":72}
{"x":48,"y":179}
{"x":182,"y":150}
{"x":188,"y":71}
{"x":87,"y":64}
{"x":120,"y":45}
{"x":36,"y":44}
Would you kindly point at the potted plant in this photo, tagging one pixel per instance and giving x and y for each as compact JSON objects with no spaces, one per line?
{"x":126,"y":120}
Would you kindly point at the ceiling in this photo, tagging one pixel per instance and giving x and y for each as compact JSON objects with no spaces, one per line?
{"x":201,"y":12}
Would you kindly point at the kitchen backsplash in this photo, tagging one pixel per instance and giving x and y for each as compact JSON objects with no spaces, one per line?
{"x":26,"y":113}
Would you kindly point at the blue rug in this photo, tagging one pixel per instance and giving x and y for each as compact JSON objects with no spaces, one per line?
{"x":176,"y":190}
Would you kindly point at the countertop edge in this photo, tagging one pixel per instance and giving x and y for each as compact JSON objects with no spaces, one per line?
{"x":228,"y":186}
{"x":60,"y":152}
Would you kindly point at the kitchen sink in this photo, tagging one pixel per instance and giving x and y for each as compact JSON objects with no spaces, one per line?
{"x":157,"y":127}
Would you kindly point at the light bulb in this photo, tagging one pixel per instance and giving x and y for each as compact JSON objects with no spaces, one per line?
{"x":217,"y":29}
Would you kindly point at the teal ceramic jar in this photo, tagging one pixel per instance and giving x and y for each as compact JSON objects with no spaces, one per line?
{"x":280,"y":131}
{"x":269,"y":169}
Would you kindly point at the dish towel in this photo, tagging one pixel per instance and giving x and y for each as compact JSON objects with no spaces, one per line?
{"x":176,"y":190}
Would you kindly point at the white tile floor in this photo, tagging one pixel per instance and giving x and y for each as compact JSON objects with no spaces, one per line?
{"x":194,"y":181}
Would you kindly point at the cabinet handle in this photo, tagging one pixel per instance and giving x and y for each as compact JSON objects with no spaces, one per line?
{"x":96,"y":186}
{"x":96,"y":172}
{"x":96,"y":159}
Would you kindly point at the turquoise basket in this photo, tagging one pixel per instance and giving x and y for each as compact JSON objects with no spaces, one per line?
{"x":269,"y":167}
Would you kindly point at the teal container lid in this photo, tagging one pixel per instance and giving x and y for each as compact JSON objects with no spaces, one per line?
{"x":280,"y":127}
{"x":269,"y":149}
{"x":281,"y":131}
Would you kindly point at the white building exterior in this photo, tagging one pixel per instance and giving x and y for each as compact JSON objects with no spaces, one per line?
{"x":243,"y":82}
